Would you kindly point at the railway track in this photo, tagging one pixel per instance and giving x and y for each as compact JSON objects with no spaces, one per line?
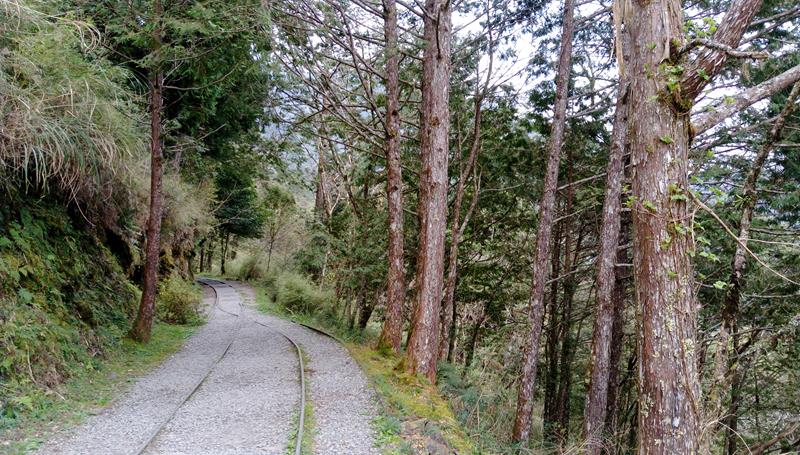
{"x":216,"y":285}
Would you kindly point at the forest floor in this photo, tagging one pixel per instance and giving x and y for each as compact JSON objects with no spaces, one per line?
{"x":248,"y":396}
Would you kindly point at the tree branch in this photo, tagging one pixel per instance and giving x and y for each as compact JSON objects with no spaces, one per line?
{"x":744,"y":99}
{"x":711,"y":44}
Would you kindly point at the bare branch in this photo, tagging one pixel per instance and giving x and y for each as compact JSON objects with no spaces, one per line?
{"x":741,"y":101}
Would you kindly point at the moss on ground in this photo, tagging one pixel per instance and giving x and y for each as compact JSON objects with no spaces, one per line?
{"x":410,"y":399}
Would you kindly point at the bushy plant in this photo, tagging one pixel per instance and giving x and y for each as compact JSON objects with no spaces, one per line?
{"x":297,"y":294}
{"x":251,"y":268}
{"x":63,"y":300}
{"x":178,"y":301}
{"x":67,"y":120}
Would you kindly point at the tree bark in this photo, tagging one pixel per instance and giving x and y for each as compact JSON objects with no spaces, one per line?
{"x":473,"y":341}
{"x":321,"y":194}
{"x":711,"y":60}
{"x":391,"y":334}
{"x":551,"y":376}
{"x":600,"y":361}
{"x":522,"y":420}
{"x":745,"y":99}
{"x":435,"y":122}
{"x":367,"y":307}
{"x":669,"y":389}
{"x":224,"y":247}
{"x":207,"y":265}
{"x":615,"y":354}
{"x":565,"y":328}
{"x":619,"y":298}
{"x":457,"y":226}
{"x":147,"y":306}
{"x":457,"y":230}
{"x":202,"y":247}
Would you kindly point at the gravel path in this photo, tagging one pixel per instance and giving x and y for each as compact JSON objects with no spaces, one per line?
{"x":343,"y":400}
{"x":248,"y":402}
{"x":246,"y":405}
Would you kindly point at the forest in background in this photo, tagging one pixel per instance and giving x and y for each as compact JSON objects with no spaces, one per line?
{"x":578,"y":219}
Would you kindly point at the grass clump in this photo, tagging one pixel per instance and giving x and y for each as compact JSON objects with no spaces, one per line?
{"x":295,"y":293}
{"x":178,"y":301}
{"x":292,"y":294}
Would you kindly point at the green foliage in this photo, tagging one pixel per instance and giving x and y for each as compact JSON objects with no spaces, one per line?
{"x":63,"y":300}
{"x":238,"y":212}
{"x":297,"y":294}
{"x":178,"y":301}
{"x":67,"y":119}
{"x":88,"y":390}
{"x":310,"y":258}
{"x":252,"y":269}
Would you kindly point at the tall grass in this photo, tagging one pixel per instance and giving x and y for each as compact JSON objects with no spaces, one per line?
{"x":68,"y":121}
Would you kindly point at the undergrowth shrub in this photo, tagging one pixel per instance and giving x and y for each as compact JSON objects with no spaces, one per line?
{"x":483,"y":402}
{"x":250,"y":268}
{"x":63,"y":300}
{"x":297,"y":294}
{"x":178,"y":301}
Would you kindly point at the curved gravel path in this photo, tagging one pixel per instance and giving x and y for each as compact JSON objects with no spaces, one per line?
{"x":248,"y":402}
{"x":343,"y":400}
{"x":245,"y":406}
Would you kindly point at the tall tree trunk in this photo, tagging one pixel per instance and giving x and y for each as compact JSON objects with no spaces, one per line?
{"x":599,"y":362}
{"x":210,"y":256}
{"x":565,"y":328}
{"x":367,"y":307}
{"x":473,"y":341}
{"x":457,"y":225}
{"x":321,"y":193}
{"x":732,"y":419}
{"x":451,"y":346}
{"x":725,"y":362}
{"x":202,"y":247}
{"x":435,"y":125}
{"x":669,"y":389}
{"x":272,"y":235}
{"x":224,"y":247}
{"x":147,"y":306}
{"x":522,"y":421}
{"x":617,"y":330}
{"x":448,"y":305}
{"x":391,"y":334}
{"x":551,"y":375}
{"x":558,"y":430}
